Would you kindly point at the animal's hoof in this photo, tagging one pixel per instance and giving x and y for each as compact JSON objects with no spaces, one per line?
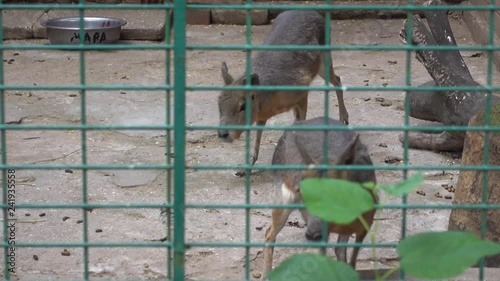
{"x":345,"y":121}
{"x":344,"y":118}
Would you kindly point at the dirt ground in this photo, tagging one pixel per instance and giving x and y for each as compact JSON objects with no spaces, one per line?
{"x":50,"y":67}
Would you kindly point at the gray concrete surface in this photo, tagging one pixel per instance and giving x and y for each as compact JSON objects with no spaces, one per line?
{"x":146,"y":67}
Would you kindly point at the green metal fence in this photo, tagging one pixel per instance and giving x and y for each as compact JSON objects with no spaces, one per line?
{"x":175,"y":129}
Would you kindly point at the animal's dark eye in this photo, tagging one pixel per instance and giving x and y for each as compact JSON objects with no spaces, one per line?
{"x":243,"y":107}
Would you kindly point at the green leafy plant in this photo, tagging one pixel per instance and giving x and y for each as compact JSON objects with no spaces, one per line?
{"x":427,"y":255}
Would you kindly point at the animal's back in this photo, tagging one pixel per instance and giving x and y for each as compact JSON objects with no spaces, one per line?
{"x":287,"y":153}
{"x":291,"y":67}
{"x":297,"y":28}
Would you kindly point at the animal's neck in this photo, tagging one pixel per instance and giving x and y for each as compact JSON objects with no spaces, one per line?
{"x":264,"y":106}
{"x":271,"y":103}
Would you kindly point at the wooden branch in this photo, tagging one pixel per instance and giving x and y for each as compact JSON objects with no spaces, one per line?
{"x":437,"y":63}
{"x":440,"y":28}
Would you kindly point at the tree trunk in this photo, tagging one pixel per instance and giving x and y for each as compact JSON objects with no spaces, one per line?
{"x":470,"y":184}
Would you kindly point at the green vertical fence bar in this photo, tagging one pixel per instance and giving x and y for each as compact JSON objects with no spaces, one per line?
{"x":83,"y":139}
{"x":179,"y":136}
{"x":326,"y":101}
{"x":3,"y":143}
{"x":248,"y":119}
{"x":168,"y":136}
{"x":406,"y":121}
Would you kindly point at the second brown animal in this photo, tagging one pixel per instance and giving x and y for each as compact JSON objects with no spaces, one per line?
{"x":306,"y":148}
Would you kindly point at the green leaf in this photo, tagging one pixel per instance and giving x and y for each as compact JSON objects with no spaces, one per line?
{"x":403,"y":187}
{"x":369,"y":185}
{"x":437,"y":255}
{"x":335,"y":200}
{"x":313,"y":267}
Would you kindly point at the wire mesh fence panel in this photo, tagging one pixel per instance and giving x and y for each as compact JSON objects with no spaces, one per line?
{"x":181,"y":157}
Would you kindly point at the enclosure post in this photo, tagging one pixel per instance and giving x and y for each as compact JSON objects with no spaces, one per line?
{"x":179,"y":135}
{"x":168,"y":136}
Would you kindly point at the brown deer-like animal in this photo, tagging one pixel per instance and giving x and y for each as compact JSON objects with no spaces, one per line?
{"x":306,"y":147}
{"x":284,"y":67}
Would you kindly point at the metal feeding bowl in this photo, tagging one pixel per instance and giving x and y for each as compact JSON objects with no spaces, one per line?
{"x":97,"y":30}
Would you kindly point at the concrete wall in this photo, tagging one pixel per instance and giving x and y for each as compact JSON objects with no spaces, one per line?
{"x":259,"y":17}
{"x":265,"y":16}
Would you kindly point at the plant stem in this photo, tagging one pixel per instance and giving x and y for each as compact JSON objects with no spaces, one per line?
{"x":374,"y":249}
{"x":375,"y":230}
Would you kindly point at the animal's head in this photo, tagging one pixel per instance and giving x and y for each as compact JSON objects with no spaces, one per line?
{"x":314,"y":224}
{"x":232,"y":104}
{"x":345,"y":158}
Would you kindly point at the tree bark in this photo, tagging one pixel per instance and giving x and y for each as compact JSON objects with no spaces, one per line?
{"x":470,"y":184}
{"x":441,"y":31}
{"x":446,"y":68}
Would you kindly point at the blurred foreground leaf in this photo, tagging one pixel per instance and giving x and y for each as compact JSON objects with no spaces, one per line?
{"x":436,"y":255}
{"x":313,"y":267}
{"x":404,"y":187}
{"x":335,"y":200}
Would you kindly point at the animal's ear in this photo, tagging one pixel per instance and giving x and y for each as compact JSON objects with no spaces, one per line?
{"x":228,"y":79}
{"x":347,"y":157}
{"x":254,"y":79}
{"x":303,"y":153}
